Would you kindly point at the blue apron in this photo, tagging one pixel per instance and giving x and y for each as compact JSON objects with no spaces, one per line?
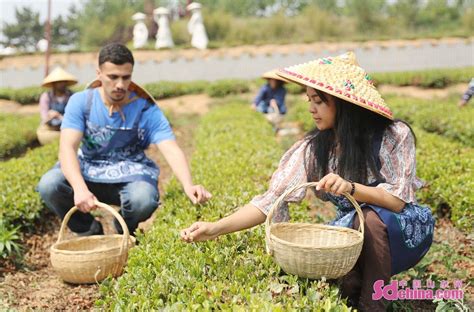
{"x":115,"y":155}
{"x":410,"y":232}
{"x":59,"y":106}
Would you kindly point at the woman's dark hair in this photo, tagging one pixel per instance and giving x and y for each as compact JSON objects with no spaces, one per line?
{"x":355,"y":129}
{"x":115,"y":53}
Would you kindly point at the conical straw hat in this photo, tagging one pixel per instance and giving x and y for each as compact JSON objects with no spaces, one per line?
{"x":59,"y":74}
{"x":341,"y":77}
{"x":140,"y":91}
{"x":161,"y":11}
{"x":193,"y":6}
{"x":272,"y":74}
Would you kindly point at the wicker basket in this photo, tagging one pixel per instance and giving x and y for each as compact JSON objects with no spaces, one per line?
{"x":46,"y":135}
{"x":90,"y":259}
{"x":312,"y":250}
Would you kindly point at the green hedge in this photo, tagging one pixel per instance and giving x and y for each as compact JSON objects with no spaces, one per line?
{"x":167,"y":89}
{"x":221,"y":88}
{"x":20,"y":204}
{"x":448,"y":169}
{"x":234,"y":272}
{"x":439,"y":116}
{"x":432,"y":78}
{"x":18,"y":178}
{"x":16,"y":133}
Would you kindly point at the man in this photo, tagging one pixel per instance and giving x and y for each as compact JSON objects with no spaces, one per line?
{"x":116,"y":121}
{"x":52,"y":104}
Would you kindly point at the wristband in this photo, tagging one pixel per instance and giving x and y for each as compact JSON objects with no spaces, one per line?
{"x":353,"y":188}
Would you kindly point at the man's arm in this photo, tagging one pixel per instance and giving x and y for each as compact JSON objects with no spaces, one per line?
{"x":178,"y":163}
{"x":68,"y":146}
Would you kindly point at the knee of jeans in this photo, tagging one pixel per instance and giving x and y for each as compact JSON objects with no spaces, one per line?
{"x":48,"y":184}
{"x":141,"y":196}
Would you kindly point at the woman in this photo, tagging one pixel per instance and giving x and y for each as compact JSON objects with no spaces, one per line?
{"x":271,"y":96}
{"x":53,"y":103}
{"x":357,"y":148}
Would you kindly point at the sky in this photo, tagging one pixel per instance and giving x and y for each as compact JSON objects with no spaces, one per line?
{"x":58,"y":7}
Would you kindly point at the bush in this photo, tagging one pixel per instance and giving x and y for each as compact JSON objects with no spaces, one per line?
{"x":20,"y":204}
{"x":439,"y":116}
{"x":221,"y":88}
{"x":167,"y":89}
{"x":17,"y":133}
{"x":233,"y":273}
{"x":433,"y":78}
{"x":448,"y":168}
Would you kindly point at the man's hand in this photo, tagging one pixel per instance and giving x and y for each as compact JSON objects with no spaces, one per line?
{"x":197,"y":193}
{"x":84,"y":200}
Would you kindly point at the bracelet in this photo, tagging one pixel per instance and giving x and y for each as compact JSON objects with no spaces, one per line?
{"x":353,"y":188}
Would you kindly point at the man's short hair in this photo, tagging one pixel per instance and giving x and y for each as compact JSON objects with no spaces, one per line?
{"x":115,"y":53}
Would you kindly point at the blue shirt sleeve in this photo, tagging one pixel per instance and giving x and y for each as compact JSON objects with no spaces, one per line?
{"x":158,"y":127}
{"x":261,"y":94}
{"x":75,"y":110}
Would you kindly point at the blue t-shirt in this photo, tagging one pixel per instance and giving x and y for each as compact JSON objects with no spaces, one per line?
{"x":153,"y":123}
{"x":266,"y":93}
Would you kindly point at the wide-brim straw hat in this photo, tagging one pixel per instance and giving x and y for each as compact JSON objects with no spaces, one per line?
{"x":138,"y":16}
{"x":342,"y":77}
{"x":193,"y":6}
{"x":161,"y":11}
{"x":272,"y":74}
{"x":59,"y":75}
{"x":140,"y":91}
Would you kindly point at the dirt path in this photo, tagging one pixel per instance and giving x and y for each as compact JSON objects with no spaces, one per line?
{"x":425,"y":94}
{"x":36,"y":286}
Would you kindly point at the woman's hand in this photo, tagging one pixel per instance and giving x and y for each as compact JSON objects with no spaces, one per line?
{"x":333,"y":183}
{"x":197,"y":194}
{"x":200,"y":231}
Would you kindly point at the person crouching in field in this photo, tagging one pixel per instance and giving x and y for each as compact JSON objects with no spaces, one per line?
{"x":270,"y":99}
{"x":52,"y":103}
{"x":115,"y":120}
{"x":356,"y":148}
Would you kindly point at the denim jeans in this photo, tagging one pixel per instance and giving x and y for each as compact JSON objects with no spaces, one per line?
{"x":138,"y":200}
{"x":262,"y":107}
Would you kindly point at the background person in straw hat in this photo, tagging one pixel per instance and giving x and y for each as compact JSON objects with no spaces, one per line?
{"x":116,"y":121}
{"x":53,"y":102}
{"x":271,"y":96}
{"x":358,"y":148}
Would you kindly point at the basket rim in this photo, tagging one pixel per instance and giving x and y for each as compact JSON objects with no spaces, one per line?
{"x":85,"y":238}
{"x":273,"y":237}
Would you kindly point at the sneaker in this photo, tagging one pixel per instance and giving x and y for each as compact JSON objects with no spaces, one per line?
{"x":95,"y":229}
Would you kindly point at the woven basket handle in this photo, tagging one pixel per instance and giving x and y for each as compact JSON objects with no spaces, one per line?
{"x":126,"y":234}
{"x":283,"y":196}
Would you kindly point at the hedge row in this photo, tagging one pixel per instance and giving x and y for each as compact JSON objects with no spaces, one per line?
{"x":445,"y":164}
{"x":437,"y":78}
{"x":432,"y":78}
{"x":234,"y":272}
{"x":20,"y":204}
{"x":18,"y":178}
{"x":16,"y":133}
{"x":439,"y":116}
{"x":448,"y":169}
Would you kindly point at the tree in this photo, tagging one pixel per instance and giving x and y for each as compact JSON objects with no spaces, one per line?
{"x":26,"y":31}
{"x":105,"y":21}
{"x":368,"y":13}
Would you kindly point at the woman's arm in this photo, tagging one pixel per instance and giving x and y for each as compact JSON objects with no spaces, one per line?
{"x":246,"y":217}
{"x":333,"y":183}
